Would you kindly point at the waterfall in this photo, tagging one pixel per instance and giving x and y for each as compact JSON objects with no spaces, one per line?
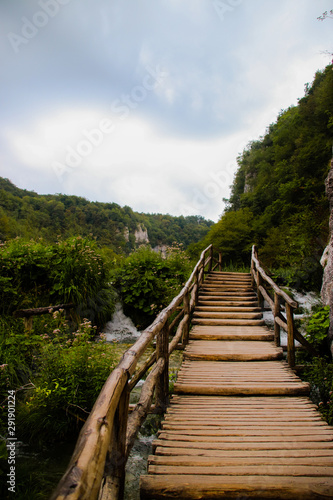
{"x":121,"y":328}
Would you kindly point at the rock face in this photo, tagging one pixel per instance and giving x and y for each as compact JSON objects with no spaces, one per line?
{"x":162,"y":249}
{"x":141,"y":234}
{"x":327,"y":259}
{"x":126,"y":234}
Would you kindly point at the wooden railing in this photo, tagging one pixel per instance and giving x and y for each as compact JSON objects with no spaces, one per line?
{"x":97,"y":467}
{"x":279,"y":303}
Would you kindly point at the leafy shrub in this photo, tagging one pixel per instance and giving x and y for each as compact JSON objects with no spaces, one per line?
{"x":316,"y":327}
{"x":147,"y":282}
{"x":72,"y":370}
{"x":305,"y":275}
{"x":25,"y":274}
{"x":320,"y":376}
{"x":35,"y":274}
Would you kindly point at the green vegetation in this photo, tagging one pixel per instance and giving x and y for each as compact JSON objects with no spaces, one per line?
{"x":318,"y":371}
{"x":35,"y":274}
{"x":71,"y":372}
{"x":278,"y":196}
{"x":320,"y":375}
{"x":29,"y":215}
{"x":147,"y":282}
{"x":56,"y":373}
{"x":58,"y":368}
{"x":317,"y":326}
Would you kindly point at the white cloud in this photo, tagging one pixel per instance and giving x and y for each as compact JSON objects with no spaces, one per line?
{"x":225,"y":82}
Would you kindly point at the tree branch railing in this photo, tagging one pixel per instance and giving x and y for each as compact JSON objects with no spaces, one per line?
{"x":264,"y":286}
{"x":97,"y":467}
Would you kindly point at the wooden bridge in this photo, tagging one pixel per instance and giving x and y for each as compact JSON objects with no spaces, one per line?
{"x":240,"y":423}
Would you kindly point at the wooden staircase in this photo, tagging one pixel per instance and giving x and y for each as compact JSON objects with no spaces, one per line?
{"x":240,"y":424}
{"x":227,"y":299}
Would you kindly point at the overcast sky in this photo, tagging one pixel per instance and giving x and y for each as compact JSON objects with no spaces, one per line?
{"x":147,"y":103}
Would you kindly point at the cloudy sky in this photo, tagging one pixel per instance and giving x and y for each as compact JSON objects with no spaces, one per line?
{"x":147,"y":103}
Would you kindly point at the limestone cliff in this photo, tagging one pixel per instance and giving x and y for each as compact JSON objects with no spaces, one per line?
{"x":327,"y":258}
{"x":141,"y":234}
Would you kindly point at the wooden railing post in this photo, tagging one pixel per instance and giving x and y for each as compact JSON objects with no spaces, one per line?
{"x":113,"y":484}
{"x":259,"y":284}
{"x":196,"y":295}
{"x":210,"y":265}
{"x":186,"y":312}
{"x":290,"y":340}
{"x":220,"y":261}
{"x":276,"y":313}
{"x":162,"y":385}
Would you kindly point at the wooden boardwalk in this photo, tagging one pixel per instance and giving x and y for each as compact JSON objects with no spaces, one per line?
{"x":240,"y":424}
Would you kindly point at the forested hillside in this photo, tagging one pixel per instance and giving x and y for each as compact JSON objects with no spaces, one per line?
{"x":278,"y":196}
{"x":27,"y":214}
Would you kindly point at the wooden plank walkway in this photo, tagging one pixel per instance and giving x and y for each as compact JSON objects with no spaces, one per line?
{"x":240,"y":424}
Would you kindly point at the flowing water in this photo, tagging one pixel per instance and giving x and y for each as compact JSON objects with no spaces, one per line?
{"x":121,"y":328}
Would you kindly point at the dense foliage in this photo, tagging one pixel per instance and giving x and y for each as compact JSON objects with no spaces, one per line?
{"x":147,"y":282}
{"x":56,"y":373}
{"x":29,"y":215}
{"x":278,"y":195}
{"x":35,"y":274}
{"x":320,"y":375}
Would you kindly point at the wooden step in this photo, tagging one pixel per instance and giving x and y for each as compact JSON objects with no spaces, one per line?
{"x":227,"y":322}
{"x":224,"y":282}
{"x":228,"y":295}
{"x":251,"y":378}
{"x":227,"y":288}
{"x":244,"y":486}
{"x":219,"y":308}
{"x":227,"y":315}
{"x":223,"y":350}
{"x":222,"y":274}
{"x":202,"y":332}
{"x":221,"y":302}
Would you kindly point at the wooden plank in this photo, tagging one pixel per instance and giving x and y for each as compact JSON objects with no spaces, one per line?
{"x":194,"y":460}
{"x":247,"y":431}
{"x":241,"y":390}
{"x":246,"y":470}
{"x":313,"y":454}
{"x":159,"y":487}
{"x":223,"y":322}
{"x":227,"y":315}
{"x":251,"y":430}
{"x":251,"y":445}
{"x":180,"y":401}
{"x":264,"y":438}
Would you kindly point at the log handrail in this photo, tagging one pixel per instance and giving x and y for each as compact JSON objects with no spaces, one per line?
{"x":97,"y":467}
{"x":263,"y":283}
